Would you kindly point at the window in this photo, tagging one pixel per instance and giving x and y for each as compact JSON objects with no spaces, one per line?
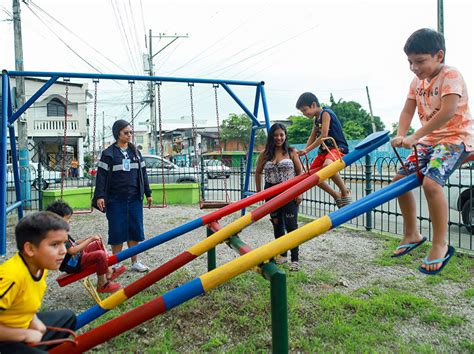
{"x":139,"y":139}
{"x":56,"y":108}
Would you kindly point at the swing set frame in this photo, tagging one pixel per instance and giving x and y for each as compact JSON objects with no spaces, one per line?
{"x":9,"y":117}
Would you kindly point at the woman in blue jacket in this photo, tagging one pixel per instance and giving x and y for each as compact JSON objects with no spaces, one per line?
{"x":121,"y":183}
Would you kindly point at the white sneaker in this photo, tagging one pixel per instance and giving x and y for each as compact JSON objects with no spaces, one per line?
{"x":139,"y":267}
{"x":281,"y":260}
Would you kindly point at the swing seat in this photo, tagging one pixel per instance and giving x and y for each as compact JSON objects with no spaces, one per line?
{"x":209,"y":204}
{"x":156,"y":206}
{"x":83,"y":211}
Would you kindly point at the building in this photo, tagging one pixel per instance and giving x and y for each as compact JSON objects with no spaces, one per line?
{"x":46,"y":121}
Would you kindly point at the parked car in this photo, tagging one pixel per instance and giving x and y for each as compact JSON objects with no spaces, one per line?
{"x":155,"y":165}
{"x":462,"y":198}
{"x":47,"y":176}
{"x":216,"y":169}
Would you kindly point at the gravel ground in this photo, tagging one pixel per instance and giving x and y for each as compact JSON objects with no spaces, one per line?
{"x":346,"y":252}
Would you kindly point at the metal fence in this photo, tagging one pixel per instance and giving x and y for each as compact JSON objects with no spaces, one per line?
{"x":364,"y":177}
{"x":369,"y":175}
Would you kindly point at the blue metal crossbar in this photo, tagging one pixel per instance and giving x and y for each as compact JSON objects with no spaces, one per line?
{"x":9,"y":117}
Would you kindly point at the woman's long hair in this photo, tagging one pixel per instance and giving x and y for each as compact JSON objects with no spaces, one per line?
{"x":269,"y":152}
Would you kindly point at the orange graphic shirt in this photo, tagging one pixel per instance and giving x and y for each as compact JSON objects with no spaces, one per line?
{"x":459,"y":129}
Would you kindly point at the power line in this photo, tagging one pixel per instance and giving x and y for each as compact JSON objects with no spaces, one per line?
{"x":123,"y":33}
{"x":143,"y":20}
{"x":135,"y":30}
{"x":265,"y":50}
{"x":62,"y":41}
{"x":75,"y":35}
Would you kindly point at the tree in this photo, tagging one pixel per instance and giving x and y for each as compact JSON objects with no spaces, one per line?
{"x":393,"y":134}
{"x":237,"y":127}
{"x":356,"y":122}
{"x":299,"y":130}
{"x":353,"y":130}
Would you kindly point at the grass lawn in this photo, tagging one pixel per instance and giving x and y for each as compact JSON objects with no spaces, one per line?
{"x":405,"y":314}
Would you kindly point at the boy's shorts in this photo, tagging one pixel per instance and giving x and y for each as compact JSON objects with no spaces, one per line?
{"x":436,"y":162}
{"x":319,"y":160}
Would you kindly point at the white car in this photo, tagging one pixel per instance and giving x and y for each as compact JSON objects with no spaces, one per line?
{"x":47,"y":176}
{"x":461,"y":194}
{"x":155,"y":165}
{"x":216,"y":169}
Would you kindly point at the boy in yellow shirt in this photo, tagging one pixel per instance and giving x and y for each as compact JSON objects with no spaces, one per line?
{"x":40,"y":239}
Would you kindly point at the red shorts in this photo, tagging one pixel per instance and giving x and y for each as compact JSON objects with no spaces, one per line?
{"x":319,"y":160}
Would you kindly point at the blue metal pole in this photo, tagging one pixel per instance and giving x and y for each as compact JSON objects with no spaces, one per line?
{"x":265,"y":108}
{"x":158,"y":240}
{"x":249,"y":162}
{"x":13,"y":206}
{"x":375,"y":199}
{"x":251,"y":145}
{"x":241,"y":104}
{"x":133,"y":77}
{"x":32,"y":99}
{"x":257,"y":101}
{"x":16,"y":173}
{"x":3,"y":165}
{"x":13,"y":148}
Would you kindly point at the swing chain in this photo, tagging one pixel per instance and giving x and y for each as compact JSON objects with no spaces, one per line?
{"x":63,"y":162}
{"x":216,"y":86}
{"x":131,"y":82}
{"x":158,"y":87}
{"x":94,"y":126}
{"x":193,"y":124}
{"x":158,"y":94}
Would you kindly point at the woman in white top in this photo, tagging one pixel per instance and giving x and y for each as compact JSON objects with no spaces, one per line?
{"x":280,"y":163}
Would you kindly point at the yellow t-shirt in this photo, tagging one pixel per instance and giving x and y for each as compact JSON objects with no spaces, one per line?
{"x":459,"y":129}
{"x":20,"y":293}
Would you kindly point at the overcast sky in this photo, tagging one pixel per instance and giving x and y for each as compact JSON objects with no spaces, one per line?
{"x":322,"y":46}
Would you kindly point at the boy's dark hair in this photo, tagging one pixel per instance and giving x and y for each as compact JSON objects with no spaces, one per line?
{"x":307,"y":99}
{"x":34,"y":228}
{"x":60,"y":207}
{"x":425,"y":41}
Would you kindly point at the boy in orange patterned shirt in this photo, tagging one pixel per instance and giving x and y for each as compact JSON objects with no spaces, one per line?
{"x":439,"y":94}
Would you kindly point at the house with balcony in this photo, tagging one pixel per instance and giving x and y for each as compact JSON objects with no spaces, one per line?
{"x":49,"y":129}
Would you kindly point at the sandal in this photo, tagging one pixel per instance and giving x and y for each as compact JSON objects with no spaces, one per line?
{"x":443,"y":261}
{"x":346,"y":200}
{"x":408,"y":247}
{"x":109,"y":287}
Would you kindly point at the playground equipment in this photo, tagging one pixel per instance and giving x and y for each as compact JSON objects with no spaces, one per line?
{"x":212,"y":279}
{"x":208,"y":204}
{"x":9,"y":117}
{"x":64,"y":154}
{"x":311,"y":179}
{"x":223,"y":234}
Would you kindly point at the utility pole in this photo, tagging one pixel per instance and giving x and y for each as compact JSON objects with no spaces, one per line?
{"x":370,"y":108}
{"x":440,"y":17}
{"x":22,"y":126}
{"x":151,"y":86}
